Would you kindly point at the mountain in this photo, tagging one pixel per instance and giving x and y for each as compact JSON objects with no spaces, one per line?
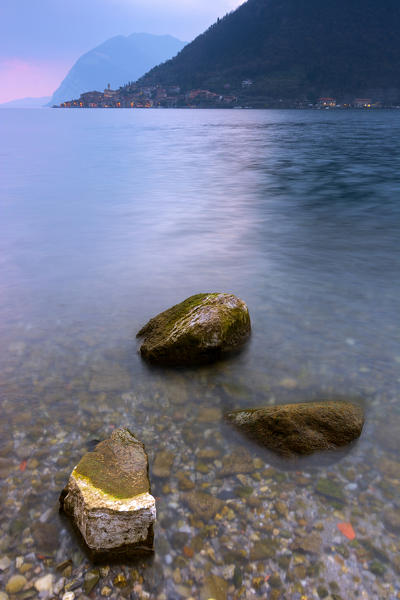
{"x":117,"y":61}
{"x":26,"y":103}
{"x":294,"y":49}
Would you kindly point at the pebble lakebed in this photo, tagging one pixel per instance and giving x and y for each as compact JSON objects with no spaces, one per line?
{"x":271,"y":530}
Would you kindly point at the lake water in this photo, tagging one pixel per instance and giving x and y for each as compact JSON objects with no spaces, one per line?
{"x":109,"y":217}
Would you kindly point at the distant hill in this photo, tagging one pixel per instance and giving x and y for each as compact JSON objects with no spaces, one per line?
{"x":294,"y":48}
{"x":26,"y":103}
{"x":117,"y":61}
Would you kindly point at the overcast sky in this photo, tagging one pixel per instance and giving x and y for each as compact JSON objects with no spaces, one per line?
{"x":41,"y":39}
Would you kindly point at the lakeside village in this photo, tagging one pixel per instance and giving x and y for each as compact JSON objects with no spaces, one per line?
{"x":136,"y":96}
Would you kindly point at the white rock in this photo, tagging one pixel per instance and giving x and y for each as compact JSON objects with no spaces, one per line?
{"x":45,"y":516}
{"x":108,"y":496}
{"x":58,"y":586}
{"x":68,"y":596}
{"x":5,"y":562}
{"x":44,"y":584}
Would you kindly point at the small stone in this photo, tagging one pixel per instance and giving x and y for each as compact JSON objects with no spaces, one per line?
{"x":203,"y":506}
{"x":3,"y":596}
{"x":275,"y":581}
{"x":176,"y":576}
{"x":15,"y":584}
{"x":377,"y":568}
{"x":106,"y":591}
{"x":263,"y":549}
{"x":298,"y":572}
{"x":120,"y":580}
{"x":58,"y":586}
{"x":238,"y":461}
{"x":311,"y":544}
{"x":258,"y":463}
{"x":257,"y":582}
{"x":162,"y":464}
{"x":185,"y":483}
{"x":5,"y":563}
{"x":25,"y":568}
{"x":391,"y":518}
{"x":281,"y":508}
{"x":90,"y":581}
{"x":228,"y":572}
{"x":202,"y":467}
{"x":330,"y":489}
{"x":68,"y":596}
{"x":214,"y":587}
{"x":244,"y":491}
{"x":104,"y":571}
{"x":62,"y":565}
{"x":237,"y":577}
{"x":208,"y":454}
{"x":44,"y":584}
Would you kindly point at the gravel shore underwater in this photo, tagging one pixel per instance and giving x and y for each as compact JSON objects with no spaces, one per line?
{"x":233,"y":521}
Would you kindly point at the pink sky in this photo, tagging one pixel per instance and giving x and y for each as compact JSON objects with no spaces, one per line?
{"x":20,"y":79}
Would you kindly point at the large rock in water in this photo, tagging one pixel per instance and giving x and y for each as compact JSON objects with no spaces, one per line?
{"x":304,"y":428}
{"x":108,"y":497}
{"x":198,"y":330}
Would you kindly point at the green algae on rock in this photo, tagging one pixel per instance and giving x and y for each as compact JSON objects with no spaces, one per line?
{"x":108,"y":497}
{"x":200,"y":329}
{"x":303,"y":428}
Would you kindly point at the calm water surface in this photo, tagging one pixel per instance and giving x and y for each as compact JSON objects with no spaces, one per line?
{"x":109,"y":217}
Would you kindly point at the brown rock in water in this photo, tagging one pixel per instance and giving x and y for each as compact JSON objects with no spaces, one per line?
{"x":238,"y":461}
{"x":311,"y":544}
{"x":391,"y":518}
{"x":200,"y":329}
{"x":163,"y":462}
{"x":296,"y":429}
{"x":214,"y":588}
{"x":108,"y":497}
{"x":203,"y":506}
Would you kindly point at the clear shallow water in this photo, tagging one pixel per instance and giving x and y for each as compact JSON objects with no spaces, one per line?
{"x":108,"y":217}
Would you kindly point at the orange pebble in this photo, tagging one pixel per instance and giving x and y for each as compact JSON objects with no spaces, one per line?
{"x":347,"y":530}
{"x":189,"y":552}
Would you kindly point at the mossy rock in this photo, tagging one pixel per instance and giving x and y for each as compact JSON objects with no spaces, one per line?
{"x":330,"y":489}
{"x":108,"y":498}
{"x":199,"y":330}
{"x":303,"y":428}
{"x":117,"y":466}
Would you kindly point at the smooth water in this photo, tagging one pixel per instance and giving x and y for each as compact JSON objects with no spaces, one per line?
{"x":109,"y":217}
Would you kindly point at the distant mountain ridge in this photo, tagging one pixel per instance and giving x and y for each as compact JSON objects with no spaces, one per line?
{"x":294,"y":48}
{"x":117,"y":61}
{"x":26,"y":103}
